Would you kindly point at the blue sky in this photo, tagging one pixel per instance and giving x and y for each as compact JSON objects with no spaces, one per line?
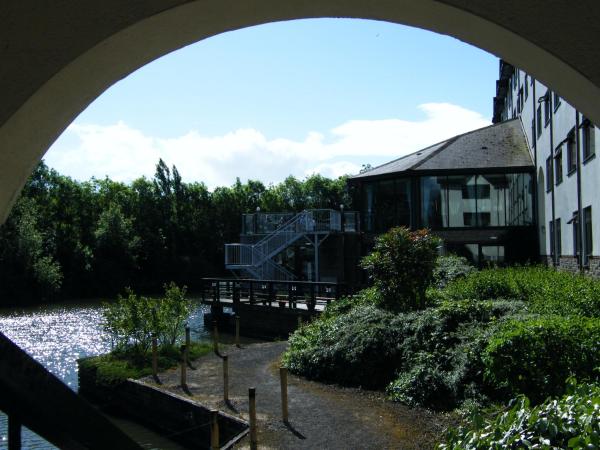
{"x":298,"y":97}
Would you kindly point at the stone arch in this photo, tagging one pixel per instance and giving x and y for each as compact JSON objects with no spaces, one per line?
{"x":57,"y":61}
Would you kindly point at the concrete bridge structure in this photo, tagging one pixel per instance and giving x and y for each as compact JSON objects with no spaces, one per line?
{"x":56,"y":57}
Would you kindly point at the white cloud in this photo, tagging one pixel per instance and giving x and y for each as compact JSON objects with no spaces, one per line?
{"x":124,"y":153}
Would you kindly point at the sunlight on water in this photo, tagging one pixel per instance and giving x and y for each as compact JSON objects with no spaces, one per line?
{"x":58,"y":335}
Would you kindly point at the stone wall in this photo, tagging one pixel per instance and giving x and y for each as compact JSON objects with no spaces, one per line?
{"x":569,"y":263}
{"x":175,"y":417}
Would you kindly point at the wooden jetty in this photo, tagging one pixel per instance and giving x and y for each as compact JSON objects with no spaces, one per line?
{"x":266,"y":308}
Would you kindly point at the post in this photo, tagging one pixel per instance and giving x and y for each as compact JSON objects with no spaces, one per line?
{"x":284,"y":393}
{"x":237,"y":331}
{"x":226,"y":378}
{"x":252,"y":414}
{"x":214,"y":429}
{"x":154,"y":357}
{"x":188,"y":341}
{"x":14,"y":433}
{"x":215,"y":337}
{"x":251,"y":293}
{"x":299,"y":320}
{"x":183,"y":366}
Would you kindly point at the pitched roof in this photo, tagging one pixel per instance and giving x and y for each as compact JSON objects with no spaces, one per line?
{"x":501,"y":145}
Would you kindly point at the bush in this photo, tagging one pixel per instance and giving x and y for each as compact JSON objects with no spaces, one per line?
{"x":133,"y":320}
{"x":449,"y":268}
{"x":355,"y":343}
{"x":358,"y":348}
{"x":546,"y":291}
{"x":401,"y":267}
{"x":572,"y":421}
{"x":534,"y":357}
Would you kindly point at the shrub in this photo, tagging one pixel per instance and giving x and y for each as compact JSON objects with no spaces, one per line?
{"x":358,"y":348}
{"x":545,"y":290}
{"x":572,"y":421}
{"x":401,"y":267}
{"x":449,"y":268}
{"x":133,"y":320}
{"x":534,"y":357}
{"x":434,"y":355}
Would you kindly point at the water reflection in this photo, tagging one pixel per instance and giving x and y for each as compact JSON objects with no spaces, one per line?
{"x":56,"y":336}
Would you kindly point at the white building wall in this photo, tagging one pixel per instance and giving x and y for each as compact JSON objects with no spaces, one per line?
{"x":562,"y":122}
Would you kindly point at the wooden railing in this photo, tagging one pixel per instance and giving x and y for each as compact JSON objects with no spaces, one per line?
{"x":309,"y":295}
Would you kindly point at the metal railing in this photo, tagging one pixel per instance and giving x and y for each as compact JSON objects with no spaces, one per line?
{"x":255,"y":259}
{"x":308,"y":295}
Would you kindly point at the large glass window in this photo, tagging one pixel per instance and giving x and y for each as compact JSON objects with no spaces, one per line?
{"x":385,"y":204}
{"x":491,"y":200}
{"x":433,"y":205}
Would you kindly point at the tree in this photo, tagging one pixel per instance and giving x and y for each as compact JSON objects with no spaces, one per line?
{"x":401,"y":267}
{"x":116,"y":250}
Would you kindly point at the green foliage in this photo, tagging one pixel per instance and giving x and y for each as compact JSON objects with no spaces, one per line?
{"x":133,"y":320}
{"x":357,"y":348}
{"x":546,"y":291}
{"x":26,"y":271}
{"x":114,"y":368}
{"x":401,"y":267}
{"x":535,"y":356}
{"x":433,"y":355}
{"x":572,"y":421}
{"x":449,"y":268}
{"x":92,"y":238}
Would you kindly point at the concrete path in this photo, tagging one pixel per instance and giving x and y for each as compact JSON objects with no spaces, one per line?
{"x":321,"y":416}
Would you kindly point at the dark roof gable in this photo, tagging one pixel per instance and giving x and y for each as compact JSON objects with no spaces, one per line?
{"x":501,"y":145}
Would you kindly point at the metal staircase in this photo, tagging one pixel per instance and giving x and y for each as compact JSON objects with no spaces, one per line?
{"x":256,"y":260}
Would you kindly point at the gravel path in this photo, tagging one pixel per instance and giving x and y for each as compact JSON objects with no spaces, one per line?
{"x":320,"y":416}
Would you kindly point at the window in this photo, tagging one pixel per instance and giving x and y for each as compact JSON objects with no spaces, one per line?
{"x":556,"y":101}
{"x":588,"y":243}
{"x":549,"y":175}
{"x":490,"y":200}
{"x":571,"y":153}
{"x":558,"y":238}
{"x":520,"y":100}
{"x":551,"y":236}
{"x":539,"y":121}
{"x":558,"y":172}
{"x":547,"y":104}
{"x":532,"y":129}
{"x":587,"y":140}
{"x":575,"y":223}
{"x":526,"y":86}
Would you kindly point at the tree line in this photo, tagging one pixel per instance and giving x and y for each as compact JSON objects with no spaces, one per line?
{"x":71,"y":239}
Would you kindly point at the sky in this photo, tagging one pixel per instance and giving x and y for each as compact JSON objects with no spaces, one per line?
{"x":290,"y":98}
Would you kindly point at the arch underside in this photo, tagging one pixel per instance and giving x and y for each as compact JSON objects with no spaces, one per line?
{"x":58,"y":60}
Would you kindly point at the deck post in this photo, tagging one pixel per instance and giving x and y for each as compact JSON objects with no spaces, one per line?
{"x":271,"y":292}
{"x":183,"y":366}
{"x":14,"y":433}
{"x":251,"y":294}
{"x":313,"y":298}
{"x":214,"y":429}
{"x":237,"y":330}
{"x":252,"y":414}
{"x":236,"y":296}
{"x":215,"y":337}
{"x":226,"y":378}
{"x":284,"y":393}
{"x":154,"y":356}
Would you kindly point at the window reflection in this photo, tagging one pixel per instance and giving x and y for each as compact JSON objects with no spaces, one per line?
{"x":491,"y":200}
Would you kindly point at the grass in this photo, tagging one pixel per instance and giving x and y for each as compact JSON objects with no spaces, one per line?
{"x":115,"y":367}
